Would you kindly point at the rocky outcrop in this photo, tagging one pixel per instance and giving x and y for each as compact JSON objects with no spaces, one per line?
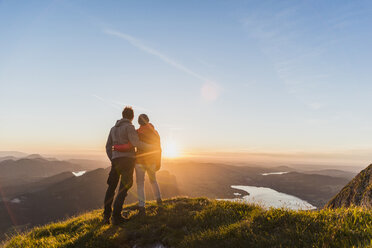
{"x":358,"y":192}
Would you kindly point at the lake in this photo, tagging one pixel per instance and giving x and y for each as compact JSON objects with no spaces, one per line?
{"x":275,"y":173}
{"x":267,"y":198}
{"x":79,"y":173}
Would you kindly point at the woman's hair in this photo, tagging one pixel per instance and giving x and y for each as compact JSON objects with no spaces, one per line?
{"x":143,"y":119}
{"x":128,"y":113}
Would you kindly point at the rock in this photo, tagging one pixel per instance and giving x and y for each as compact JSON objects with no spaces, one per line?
{"x":358,"y":192}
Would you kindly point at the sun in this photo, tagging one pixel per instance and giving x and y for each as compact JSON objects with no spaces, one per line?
{"x":171,"y":150}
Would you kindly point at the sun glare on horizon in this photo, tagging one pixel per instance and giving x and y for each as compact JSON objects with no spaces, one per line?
{"x":171,"y":150}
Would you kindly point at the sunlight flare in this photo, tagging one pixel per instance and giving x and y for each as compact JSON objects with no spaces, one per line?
{"x":171,"y":150}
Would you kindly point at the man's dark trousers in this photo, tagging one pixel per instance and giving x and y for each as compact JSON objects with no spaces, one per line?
{"x":121,"y":168}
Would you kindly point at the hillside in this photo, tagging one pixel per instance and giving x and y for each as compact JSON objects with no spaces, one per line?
{"x":43,"y":183}
{"x":200,"y":222}
{"x":357,"y":192}
{"x":65,"y":195}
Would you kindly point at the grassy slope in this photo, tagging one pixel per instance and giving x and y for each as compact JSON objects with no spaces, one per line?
{"x":200,"y":222}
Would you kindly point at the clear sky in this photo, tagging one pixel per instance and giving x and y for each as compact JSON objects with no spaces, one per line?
{"x":242,"y":76}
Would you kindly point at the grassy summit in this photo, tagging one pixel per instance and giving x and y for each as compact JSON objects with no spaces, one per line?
{"x":200,"y":222}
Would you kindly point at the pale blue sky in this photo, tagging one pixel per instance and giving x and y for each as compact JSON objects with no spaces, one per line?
{"x":212,"y":75}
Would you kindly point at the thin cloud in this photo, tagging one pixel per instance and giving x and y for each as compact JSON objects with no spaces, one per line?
{"x":138,"y":44}
{"x":105,"y":101}
{"x":118,"y":105}
{"x":133,"y":106}
{"x":280,"y":38}
{"x":315,"y":105}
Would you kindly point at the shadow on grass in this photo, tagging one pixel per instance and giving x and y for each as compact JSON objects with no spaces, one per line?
{"x":99,"y":235}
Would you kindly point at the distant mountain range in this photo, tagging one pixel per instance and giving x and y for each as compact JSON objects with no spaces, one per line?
{"x":29,"y":168}
{"x":12,"y":191}
{"x":12,"y":154}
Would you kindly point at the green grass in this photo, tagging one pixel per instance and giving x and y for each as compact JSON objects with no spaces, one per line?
{"x":199,"y":222}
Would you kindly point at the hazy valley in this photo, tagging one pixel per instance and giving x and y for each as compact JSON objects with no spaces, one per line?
{"x":37,"y":190}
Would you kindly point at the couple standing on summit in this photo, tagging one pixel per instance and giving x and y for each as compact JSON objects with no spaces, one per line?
{"x":121,"y":146}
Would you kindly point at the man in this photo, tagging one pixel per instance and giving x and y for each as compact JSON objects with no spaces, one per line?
{"x":122,"y":165}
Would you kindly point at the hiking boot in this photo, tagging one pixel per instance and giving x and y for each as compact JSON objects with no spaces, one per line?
{"x":119,"y":220}
{"x":106,"y":220}
{"x":141,"y":211}
{"x":126,"y":213}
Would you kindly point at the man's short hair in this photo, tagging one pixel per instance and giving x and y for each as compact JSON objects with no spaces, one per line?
{"x":128,"y":113}
{"x":143,"y":119}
